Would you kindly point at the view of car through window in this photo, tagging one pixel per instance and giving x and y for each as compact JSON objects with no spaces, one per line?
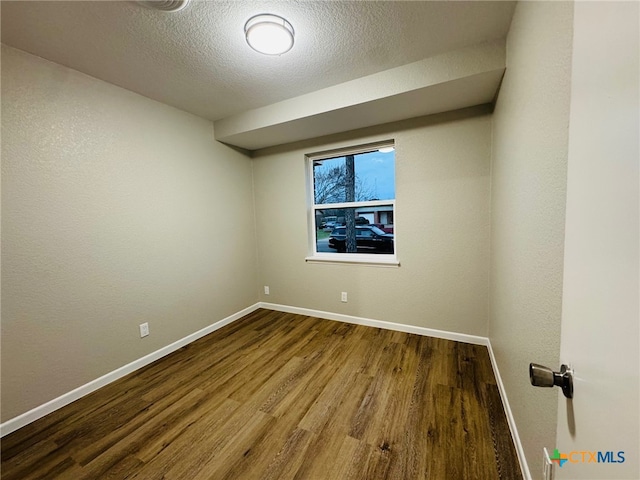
{"x":369,"y":239}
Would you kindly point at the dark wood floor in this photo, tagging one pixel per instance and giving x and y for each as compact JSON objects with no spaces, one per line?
{"x":279,"y":396}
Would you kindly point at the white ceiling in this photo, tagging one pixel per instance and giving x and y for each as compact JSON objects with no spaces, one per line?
{"x":197,"y":59}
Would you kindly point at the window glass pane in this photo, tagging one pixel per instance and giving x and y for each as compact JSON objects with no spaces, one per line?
{"x":355,"y":178}
{"x":355,"y":230}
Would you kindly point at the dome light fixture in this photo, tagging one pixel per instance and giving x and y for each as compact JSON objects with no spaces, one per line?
{"x":388,"y":149}
{"x":269,"y":34}
{"x":165,"y":5}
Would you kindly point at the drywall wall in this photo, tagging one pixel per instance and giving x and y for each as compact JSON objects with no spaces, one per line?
{"x":441,"y":227}
{"x":116,"y":210}
{"x":529,"y":162}
{"x":600,"y":328}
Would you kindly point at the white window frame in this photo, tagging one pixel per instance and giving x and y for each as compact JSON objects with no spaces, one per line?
{"x":383,"y":260}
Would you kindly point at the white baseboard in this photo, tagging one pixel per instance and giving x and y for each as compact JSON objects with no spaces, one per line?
{"x":428,"y":332}
{"x":526,"y":473}
{"x":39,"y":412}
{"x":53,"y":405}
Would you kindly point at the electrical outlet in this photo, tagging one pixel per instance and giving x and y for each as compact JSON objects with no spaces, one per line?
{"x":343,"y":298}
{"x":266,"y":289}
{"x":144,"y":329}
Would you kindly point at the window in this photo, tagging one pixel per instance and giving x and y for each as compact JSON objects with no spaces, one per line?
{"x":352,"y":207}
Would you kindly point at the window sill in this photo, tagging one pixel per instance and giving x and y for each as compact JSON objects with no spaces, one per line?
{"x":354,"y":259}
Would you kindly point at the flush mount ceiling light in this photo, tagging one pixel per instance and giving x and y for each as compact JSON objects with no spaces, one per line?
{"x":269,"y":34}
{"x":386,"y":149}
{"x":165,"y":5}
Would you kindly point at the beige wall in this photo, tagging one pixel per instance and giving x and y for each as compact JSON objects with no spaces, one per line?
{"x":529,"y":163}
{"x":116,"y":210}
{"x":442,"y":227}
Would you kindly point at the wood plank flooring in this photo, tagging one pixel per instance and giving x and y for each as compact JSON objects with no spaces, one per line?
{"x":282,"y":396}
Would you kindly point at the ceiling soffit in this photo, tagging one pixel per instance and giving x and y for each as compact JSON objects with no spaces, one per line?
{"x":450,"y":81}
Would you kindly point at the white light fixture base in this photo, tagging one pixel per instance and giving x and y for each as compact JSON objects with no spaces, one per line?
{"x":165,"y":5}
{"x":269,"y":34}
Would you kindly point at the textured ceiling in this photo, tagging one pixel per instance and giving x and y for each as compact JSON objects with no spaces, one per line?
{"x":197,"y":59}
